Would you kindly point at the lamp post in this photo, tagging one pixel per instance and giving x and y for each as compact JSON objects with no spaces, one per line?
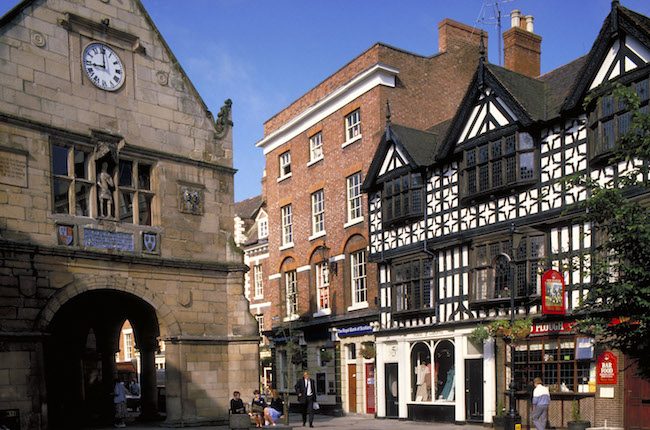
{"x":513,"y":419}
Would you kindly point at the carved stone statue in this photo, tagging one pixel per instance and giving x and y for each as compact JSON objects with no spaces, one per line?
{"x":105,"y":184}
{"x":223,"y":119}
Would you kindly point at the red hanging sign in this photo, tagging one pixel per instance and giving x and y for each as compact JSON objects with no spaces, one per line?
{"x":607,"y":369}
{"x":553,"y":301}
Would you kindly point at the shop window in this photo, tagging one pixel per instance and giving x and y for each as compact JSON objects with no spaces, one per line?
{"x":444,"y":373}
{"x":421,"y":390}
{"x":498,"y":165}
{"x":565,"y":365}
{"x":402,"y":199}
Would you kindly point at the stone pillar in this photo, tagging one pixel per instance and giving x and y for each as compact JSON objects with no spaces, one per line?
{"x":148,"y":389}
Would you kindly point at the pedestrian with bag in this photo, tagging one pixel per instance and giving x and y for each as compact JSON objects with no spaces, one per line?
{"x":306,"y":391}
{"x":257,"y":408}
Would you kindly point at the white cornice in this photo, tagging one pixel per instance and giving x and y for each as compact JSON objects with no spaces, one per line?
{"x":379,"y":74}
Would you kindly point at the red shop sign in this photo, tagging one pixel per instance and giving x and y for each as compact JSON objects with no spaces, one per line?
{"x":607,"y":369}
{"x":553,"y":301}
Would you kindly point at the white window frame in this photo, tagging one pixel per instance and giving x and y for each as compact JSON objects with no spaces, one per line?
{"x":358,"y":280}
{"x":318,"y":213}
{"x":352,"y":127}
{"x":291,"y":293}
{"x":285,"y":165}
{"x":258,"y":281}
{"x":128,"y":345}
{"x":263,"y":228}
{"x":316,"y":147}
{"x":287,"y":226}
{"x":260,"y":323}
{"x":355,"y":211}
{"x":322,"y":288}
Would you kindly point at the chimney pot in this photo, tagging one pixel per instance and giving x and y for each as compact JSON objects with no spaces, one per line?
{"x":521,"y":46}
{"x":529,"y":23}
{"x":515,"y":17}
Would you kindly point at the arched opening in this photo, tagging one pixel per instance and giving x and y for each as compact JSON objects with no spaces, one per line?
{"x":80,"y":357}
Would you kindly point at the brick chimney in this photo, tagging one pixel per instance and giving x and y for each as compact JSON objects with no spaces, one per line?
{"x":453,"y":35}
{"x":521,"y":47}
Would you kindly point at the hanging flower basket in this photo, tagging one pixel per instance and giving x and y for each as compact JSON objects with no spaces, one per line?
{"x":325,"y":355}
{"x":368,"y":350}
{"x":502,"y":328}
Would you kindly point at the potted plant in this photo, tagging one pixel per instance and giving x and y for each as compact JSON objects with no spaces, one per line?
{"x":499,"y":420}
{"x":577,"y":423}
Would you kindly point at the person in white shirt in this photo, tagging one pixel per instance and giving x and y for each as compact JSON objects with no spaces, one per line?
{"x":541,"y":400}
{"x":306,"y":391}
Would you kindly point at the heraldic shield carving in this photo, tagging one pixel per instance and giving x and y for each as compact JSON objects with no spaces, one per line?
{"x":150,"y":242}
{"x":65,"y":235}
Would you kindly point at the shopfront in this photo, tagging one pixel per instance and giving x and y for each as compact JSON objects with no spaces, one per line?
{"x":435,"y":377}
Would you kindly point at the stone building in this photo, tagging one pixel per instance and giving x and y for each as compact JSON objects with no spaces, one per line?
{"x":323,"y":293}
{"x":116,"y":203}
{"x":491,"y":228}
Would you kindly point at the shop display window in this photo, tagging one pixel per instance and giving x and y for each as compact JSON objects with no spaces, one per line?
{"x":565,"y":365}
{"x":432,"y":375}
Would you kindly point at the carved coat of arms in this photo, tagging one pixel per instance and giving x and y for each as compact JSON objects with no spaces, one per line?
{"x":150,"y":242}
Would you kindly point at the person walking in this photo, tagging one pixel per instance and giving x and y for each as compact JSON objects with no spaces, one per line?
{"x":119,"y":400}
{"x":541,"y":400}
{"x":306,"y":391}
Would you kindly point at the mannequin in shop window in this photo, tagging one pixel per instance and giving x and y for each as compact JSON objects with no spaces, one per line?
{"x":423,"y":382}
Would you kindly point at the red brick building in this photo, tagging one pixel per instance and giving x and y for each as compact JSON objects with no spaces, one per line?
{"x":324,"y":295}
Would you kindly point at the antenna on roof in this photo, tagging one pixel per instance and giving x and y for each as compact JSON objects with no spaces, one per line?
{"x":490,"y":14}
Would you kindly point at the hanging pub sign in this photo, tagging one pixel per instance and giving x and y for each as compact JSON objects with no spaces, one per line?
{"x":553,"y":293}
{"x":607,"y":369}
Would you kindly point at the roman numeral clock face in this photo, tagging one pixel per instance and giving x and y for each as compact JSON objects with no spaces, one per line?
{"x":103,"y":67}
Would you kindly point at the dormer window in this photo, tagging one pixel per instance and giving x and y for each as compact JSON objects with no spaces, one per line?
{"x":402,"y":199}
{"x":499,"y":164}
{"x":263,"y":228}
{"x":611,"y":119}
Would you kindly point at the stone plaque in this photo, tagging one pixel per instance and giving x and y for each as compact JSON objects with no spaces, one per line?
{"x":13,"y":168}
{"x":103,"y":239}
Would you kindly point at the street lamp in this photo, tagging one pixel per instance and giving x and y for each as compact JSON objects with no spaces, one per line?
{"x":513,"y":419}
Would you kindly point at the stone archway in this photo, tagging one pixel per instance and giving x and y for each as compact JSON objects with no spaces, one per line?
{"x":84,"y":325}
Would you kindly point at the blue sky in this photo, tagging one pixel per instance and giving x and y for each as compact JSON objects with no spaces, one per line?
{"x":264,"y":54}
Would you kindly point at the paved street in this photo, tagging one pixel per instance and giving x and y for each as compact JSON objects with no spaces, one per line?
{"x":349,"y":422}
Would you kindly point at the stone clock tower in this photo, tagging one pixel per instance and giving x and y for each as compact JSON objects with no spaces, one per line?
{"x":116,"y":204}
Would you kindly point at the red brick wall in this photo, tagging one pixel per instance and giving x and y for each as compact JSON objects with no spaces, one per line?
{"x":522,"y":51}
{"x":428,"y":90}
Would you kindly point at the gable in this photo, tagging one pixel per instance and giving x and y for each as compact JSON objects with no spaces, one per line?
{"x":624,"y":55}
{"x":489,"y":113}
{"x":394,"y":159}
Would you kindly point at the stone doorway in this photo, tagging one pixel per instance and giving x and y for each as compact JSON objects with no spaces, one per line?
{"x":80,"y":357}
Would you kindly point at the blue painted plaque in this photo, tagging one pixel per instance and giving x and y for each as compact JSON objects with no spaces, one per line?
{"x":103,"y":239}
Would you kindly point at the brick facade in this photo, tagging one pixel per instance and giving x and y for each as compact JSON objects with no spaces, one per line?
{"x":426,"y":91}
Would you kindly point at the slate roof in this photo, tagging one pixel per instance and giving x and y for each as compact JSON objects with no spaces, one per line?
{"x":421,"y":145}
{"x":529,"y":92}
{"x":247,"y":209}
{"x":558,"y":85}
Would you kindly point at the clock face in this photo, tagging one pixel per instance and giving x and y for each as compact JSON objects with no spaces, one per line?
{"x":103,"y":67}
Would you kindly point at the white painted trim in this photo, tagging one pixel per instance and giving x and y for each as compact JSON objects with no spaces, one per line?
{"x":257,"y":307}
{"x":314,"y":161}
{"x":303,"y":269}
{"x":291,"y":318}
{"x":317,"y":235}
{"x":357,"y":306}
{"x":287,"y":246}
{"x":275,"y":276}
{"x":338,"y":257}
{"x":351,"y":141}
{"x":282,"y":178}
{"x":322,"y":313}
{"x":378,"y":74}
{"x":352,"y":222}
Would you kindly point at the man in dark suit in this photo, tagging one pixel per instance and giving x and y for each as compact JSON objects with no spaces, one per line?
{"x":306,"y":391}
